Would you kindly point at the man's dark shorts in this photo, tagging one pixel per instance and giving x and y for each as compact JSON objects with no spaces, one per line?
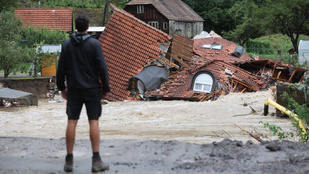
{"x":90,"y":97}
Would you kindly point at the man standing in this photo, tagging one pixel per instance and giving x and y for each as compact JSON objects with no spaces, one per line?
{"x":81,"y":65}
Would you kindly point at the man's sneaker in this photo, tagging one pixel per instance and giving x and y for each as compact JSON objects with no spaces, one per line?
{"x":98,"y":165}
{"x":68,"y":166}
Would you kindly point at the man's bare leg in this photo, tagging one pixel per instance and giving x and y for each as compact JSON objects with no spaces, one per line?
{"x":97,"y":164}
{"x":70,"y":135}
{"x":70,"y":140}
{"x":94,"y":135}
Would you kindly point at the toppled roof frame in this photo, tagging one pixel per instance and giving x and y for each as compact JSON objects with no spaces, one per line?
{"x":225,"y":54}
{"x":129,"y":44}
{"x":274,"y":70}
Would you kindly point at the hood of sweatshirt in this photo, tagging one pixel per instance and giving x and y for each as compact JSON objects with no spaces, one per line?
{"x":79,"y":38}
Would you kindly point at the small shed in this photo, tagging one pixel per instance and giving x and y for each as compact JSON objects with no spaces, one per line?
{"x":303,"y":51}
{"x":49,"y":63}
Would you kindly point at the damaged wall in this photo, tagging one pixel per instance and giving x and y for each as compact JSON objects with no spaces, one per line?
{"x":38,"y":86}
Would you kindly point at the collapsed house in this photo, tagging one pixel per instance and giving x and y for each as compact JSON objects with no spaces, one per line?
{"x":129,"y":45}
{"x":146,"y":63}
{"x":209,"y":72}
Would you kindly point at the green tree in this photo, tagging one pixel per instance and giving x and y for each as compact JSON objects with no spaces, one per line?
{"x":288,"y":17}
{"x":11,"y":51}
{"x":257,"y":18}
{"x":6,"y":5}
{"x":248,"y":24}
{"x":35,"y":37}
{"x":215,"y":13}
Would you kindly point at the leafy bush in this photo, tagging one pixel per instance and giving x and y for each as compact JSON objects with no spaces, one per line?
{"x":276,"y":130}
{"x":301,"y":110}
{"x":75,"y":3}
{"x":260,"y":47}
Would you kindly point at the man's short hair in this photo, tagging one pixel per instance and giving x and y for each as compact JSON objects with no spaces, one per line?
{"x":81,"y":23}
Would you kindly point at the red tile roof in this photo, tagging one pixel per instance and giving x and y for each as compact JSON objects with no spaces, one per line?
{"x":228,"y":48}
{"x":128,"y":45}
{"x":53,"y":18}
{"x":179,"y":86}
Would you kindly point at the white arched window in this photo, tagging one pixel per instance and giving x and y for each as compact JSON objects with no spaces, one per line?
{"x":203,"y":83}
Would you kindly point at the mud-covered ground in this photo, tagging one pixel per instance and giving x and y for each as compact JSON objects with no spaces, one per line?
{"x":154,"y":137}
{"x":40,"y":155}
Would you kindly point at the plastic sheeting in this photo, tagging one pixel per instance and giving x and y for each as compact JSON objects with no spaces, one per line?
{"x":151,"y":77}
{"x":11,"y":94}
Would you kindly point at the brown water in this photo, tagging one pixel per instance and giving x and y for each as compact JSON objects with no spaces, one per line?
{"x":197,"y":122}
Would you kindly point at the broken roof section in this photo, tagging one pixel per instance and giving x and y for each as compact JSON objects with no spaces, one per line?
{"x":129,"y":44}
{"x":172,"y":9}
{"x":274,"y":70}
{"x":226,"y":78}
{"x":200,"y":48}
{"x":54,"y":18}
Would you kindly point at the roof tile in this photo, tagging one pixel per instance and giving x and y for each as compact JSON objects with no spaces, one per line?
{"x":54,"y":18}
{"x":224,"y":54}
{"x":128,"y":44}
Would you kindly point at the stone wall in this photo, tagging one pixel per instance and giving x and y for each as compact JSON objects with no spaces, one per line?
{"x":36,"y":86}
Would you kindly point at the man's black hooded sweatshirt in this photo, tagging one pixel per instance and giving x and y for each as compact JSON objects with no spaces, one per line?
{"x":81,"y":64}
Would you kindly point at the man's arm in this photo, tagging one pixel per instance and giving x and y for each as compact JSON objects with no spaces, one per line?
{"x":102,"y":68}
{"x":60,"y":76}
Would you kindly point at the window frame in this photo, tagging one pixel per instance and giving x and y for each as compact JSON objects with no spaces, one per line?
{"x":205,"y":85}
{"x":193,"y":85}
{"x":154,"y":24}
{"x":140,"y":9}
{"x":165,"y":25}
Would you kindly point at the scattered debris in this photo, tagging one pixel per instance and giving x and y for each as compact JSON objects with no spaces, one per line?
{"x":198,"y":69}
{"x":252,"y":135}
{"x":11,"y":97}
{"x":273,"y":71}
{"x":129,"y":45}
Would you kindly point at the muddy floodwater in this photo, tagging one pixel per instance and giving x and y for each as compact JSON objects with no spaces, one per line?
{"x":194,"y":122}
{"x":157,"y":137}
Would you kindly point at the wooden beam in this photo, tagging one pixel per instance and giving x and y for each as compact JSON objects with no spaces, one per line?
{"x":236,"y":84}
{"x":279,"y":74}
{"x":274,"y":69}
{"x":292,"y":75}
{"x":180,"y":61}
{"x":243,"y":90}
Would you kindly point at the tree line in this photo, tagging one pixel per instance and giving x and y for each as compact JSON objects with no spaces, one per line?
{"x":241,"y":20}
{"x":235,"y":20}
{"x":20,"y":44}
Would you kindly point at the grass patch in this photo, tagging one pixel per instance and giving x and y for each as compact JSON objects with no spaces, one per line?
{"x":281,"y":42}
